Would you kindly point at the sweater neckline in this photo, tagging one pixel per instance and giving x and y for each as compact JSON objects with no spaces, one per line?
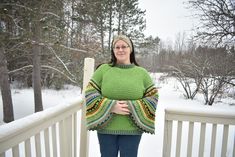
{"x":125,"y":66}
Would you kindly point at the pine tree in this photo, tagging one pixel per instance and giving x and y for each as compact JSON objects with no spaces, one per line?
{"x":130,"y":19}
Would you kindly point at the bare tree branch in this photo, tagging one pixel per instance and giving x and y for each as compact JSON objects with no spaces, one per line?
{"x":17,"y":5}
{"x":217,"y":19}
{"x":44,"y":66}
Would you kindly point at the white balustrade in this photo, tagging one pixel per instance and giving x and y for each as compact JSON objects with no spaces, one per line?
{"x":206,"y":131}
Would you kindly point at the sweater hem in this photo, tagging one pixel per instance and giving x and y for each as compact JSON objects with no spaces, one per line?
{"x":120,"y":132}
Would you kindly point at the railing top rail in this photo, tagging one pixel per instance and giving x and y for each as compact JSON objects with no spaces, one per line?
{"x":201,"y":114}
{"x":37,"y":121}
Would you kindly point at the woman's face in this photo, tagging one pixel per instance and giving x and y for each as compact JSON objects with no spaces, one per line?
{"x":122,"y":52}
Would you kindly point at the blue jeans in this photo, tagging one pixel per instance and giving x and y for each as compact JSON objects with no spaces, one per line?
{"x":127,"y":145}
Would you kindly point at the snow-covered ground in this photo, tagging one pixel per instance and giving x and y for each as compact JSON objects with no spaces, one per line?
{"x":23,"y":101}
{"x":151,"y":145}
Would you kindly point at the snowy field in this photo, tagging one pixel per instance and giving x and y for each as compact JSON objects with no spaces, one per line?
{"x":151,"y":145}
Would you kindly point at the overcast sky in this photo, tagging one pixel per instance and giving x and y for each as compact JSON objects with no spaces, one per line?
{"x":166,"y":18}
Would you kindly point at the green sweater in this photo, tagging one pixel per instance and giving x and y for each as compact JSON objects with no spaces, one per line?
{"x":121,"y":82}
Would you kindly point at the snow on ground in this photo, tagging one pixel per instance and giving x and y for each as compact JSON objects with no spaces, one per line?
{"x":151,"y":145}
{"x":23,"y":101}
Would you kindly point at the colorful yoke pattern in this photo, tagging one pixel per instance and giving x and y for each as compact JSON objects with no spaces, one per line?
{"x":122,"y":82}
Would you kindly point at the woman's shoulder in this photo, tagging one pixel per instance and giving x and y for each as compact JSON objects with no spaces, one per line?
{"x":103,"y":66}
{"x":142,"y":69}
{"x":148,"y":81}
{"x":99,"y":72}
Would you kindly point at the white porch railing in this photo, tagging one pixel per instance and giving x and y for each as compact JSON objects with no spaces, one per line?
{"x":202,"y":133}
{"x":56,"y":128}
{"x":53,"y":132}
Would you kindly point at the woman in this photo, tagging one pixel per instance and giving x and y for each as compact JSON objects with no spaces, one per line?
{"x":121,"y":101}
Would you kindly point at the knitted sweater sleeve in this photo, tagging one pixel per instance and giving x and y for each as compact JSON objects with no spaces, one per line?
{"x":97,"y":107}
{"x":143,"y":110}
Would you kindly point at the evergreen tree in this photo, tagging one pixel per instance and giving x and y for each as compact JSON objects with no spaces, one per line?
{"x":130,"y":18}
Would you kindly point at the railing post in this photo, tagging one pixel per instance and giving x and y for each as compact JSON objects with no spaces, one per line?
{"x":167,"y":137}
{"x":84,"y":135}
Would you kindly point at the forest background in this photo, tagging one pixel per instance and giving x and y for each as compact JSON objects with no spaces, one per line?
{"x":43,"y":44}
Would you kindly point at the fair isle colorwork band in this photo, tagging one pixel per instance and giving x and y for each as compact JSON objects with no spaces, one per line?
{"x":97,"y":107}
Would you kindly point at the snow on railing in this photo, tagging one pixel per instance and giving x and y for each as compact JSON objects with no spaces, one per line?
{"x":199,"y":132}
{"x":52,"y":132}
{"x":53,"y":127}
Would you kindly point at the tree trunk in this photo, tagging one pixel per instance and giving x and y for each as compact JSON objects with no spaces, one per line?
{"x":102,"y":35}
{"x":110,"y":23}
{"x":36,"y":77}
{"x":8,"y":114}
{"x":119,"y":16}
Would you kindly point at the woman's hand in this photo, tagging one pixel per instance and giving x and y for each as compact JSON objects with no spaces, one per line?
{"x":121,"y":107}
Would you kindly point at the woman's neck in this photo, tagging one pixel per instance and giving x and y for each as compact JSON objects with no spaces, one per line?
{"x":124,"y":62}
